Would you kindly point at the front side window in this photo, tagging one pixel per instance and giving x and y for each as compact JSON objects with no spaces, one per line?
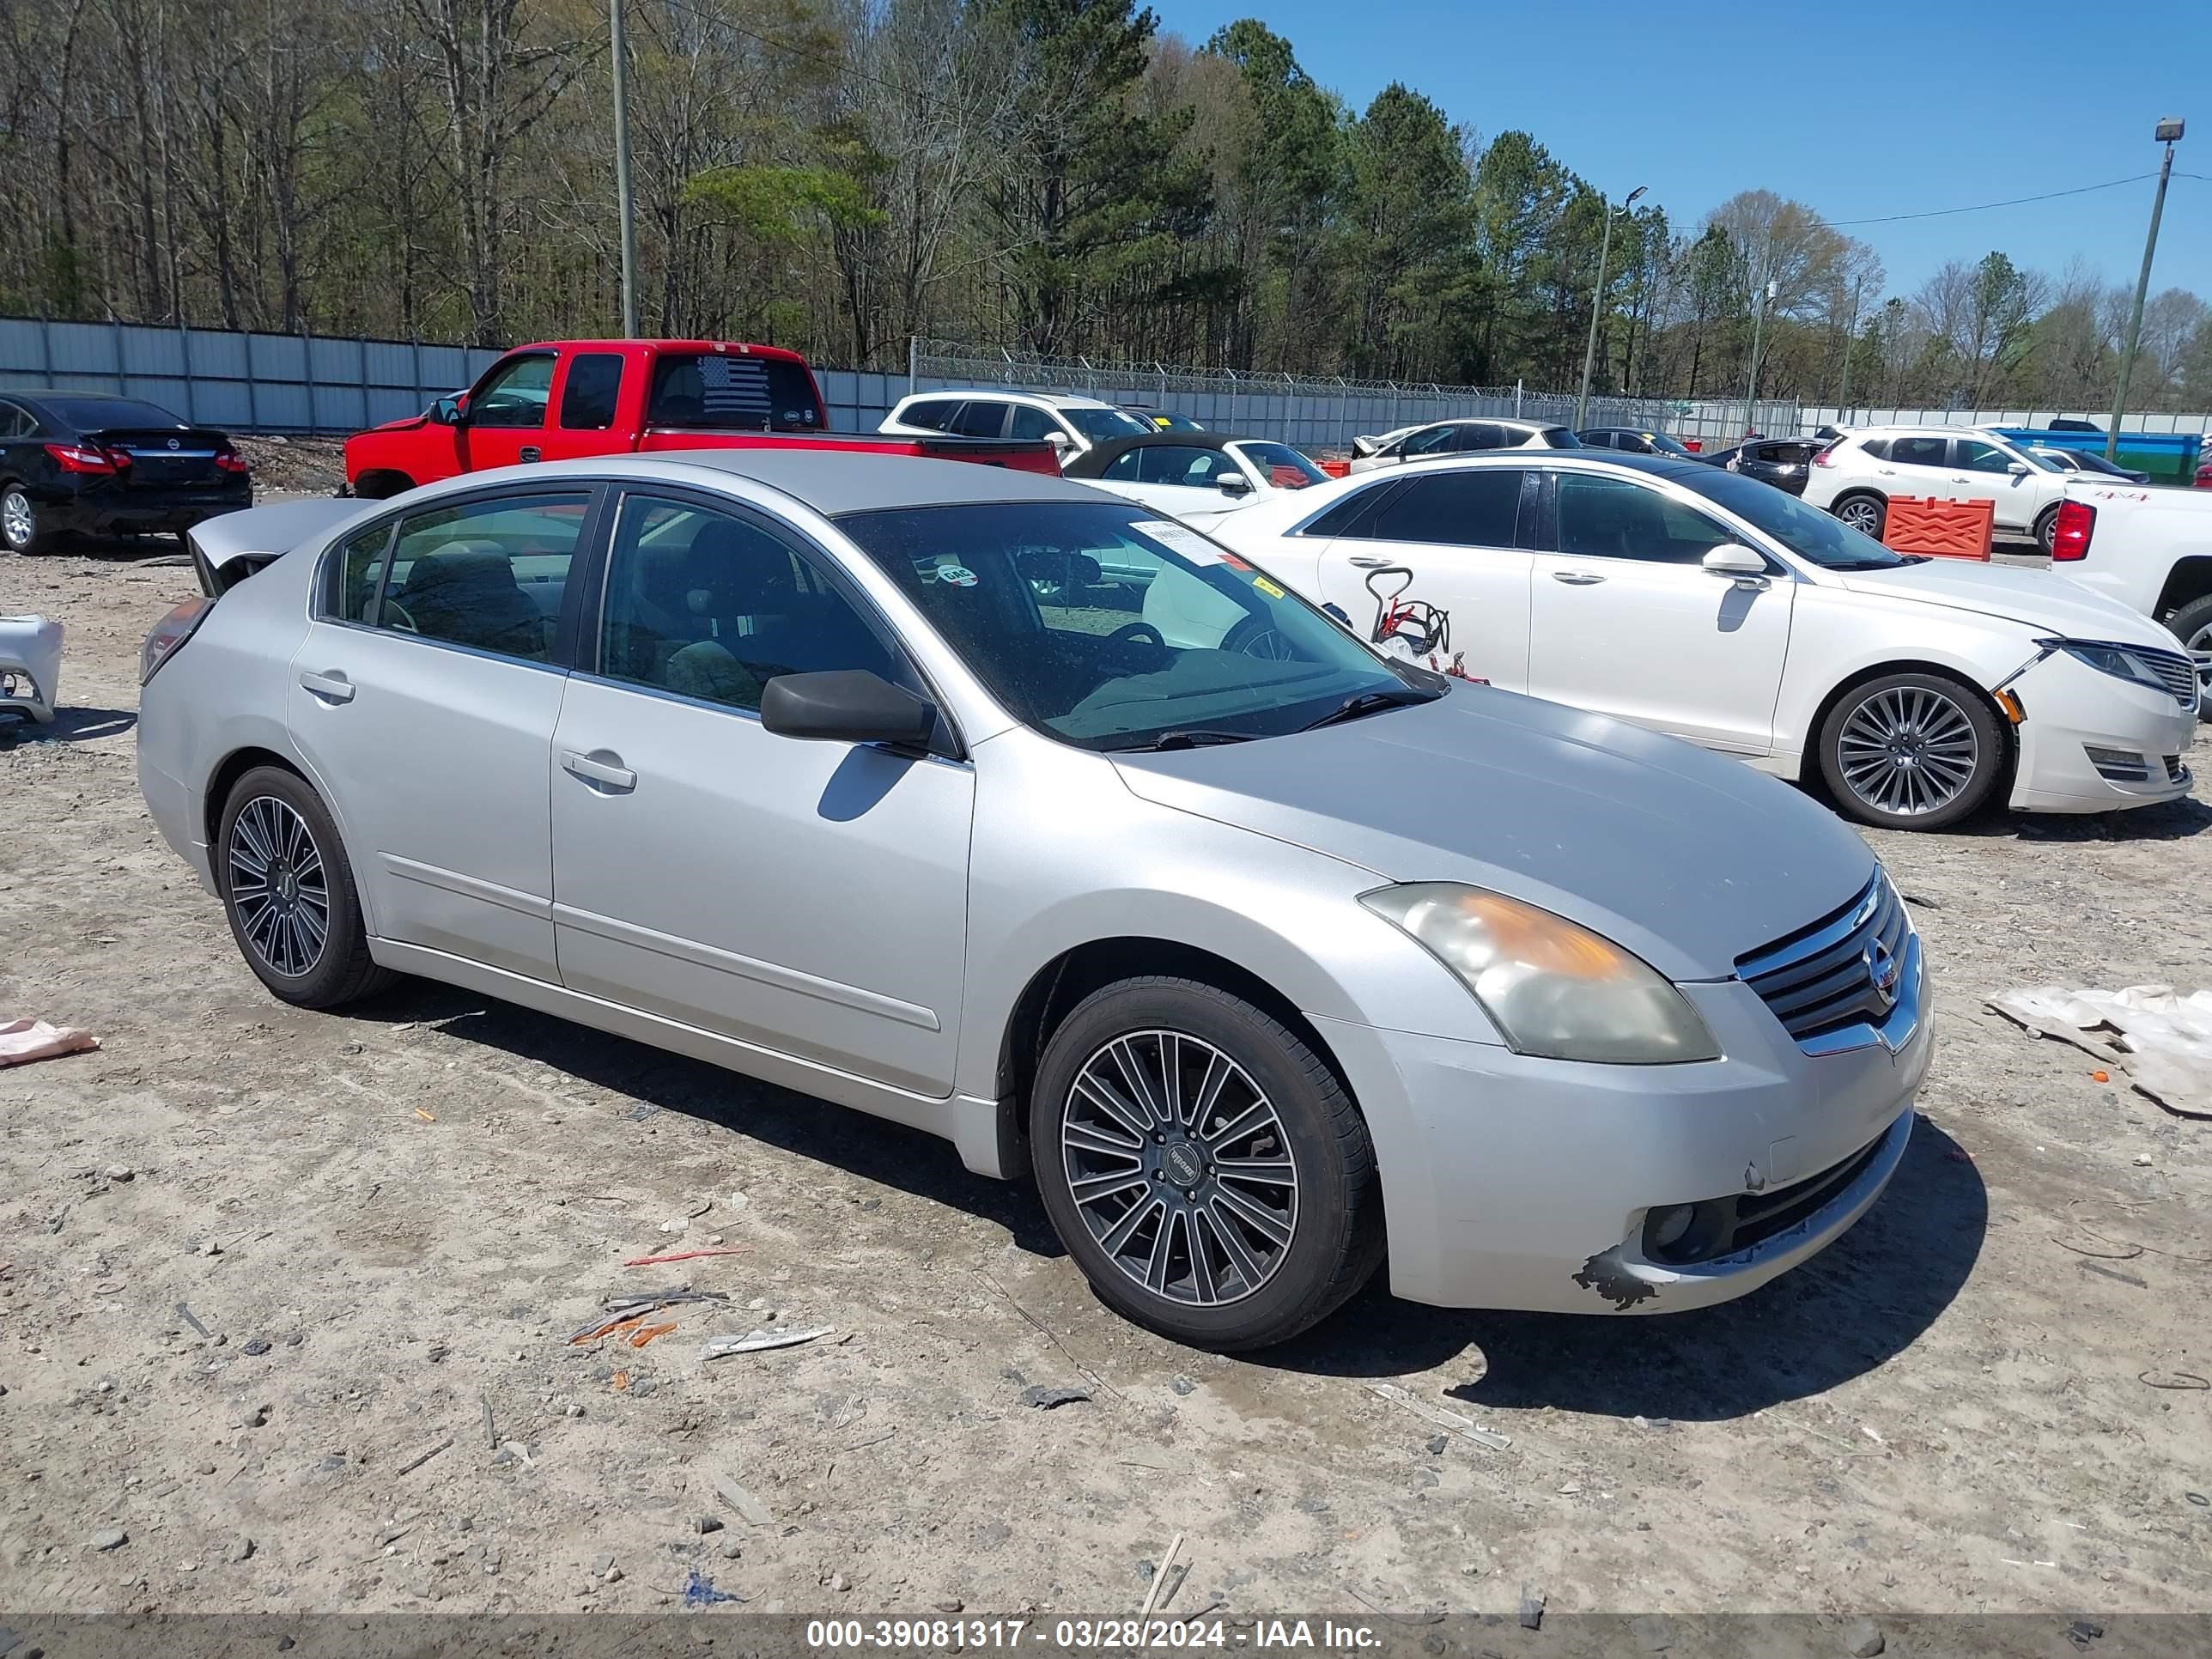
{"x":488,"y":574}
{"x":711,"y":606}
{"x":515,"y":394}
{"x":1605,"y":518}
{"x":1975,"y":456}
{"x":587,"y":398}
{"x":1918,"y":452}
{"x":1283,"y":467}
{"x":1122,"y":467}
{"x":1033,"y":423}
{"x":1430,"y":441}
{"x":1109,"y":629}
{"x":1473,"y":509}
{"x":1182,"y":464}
{"x":1807,"y":531}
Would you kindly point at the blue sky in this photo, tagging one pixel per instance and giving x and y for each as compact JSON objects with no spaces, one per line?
{"x":1848,"y":107}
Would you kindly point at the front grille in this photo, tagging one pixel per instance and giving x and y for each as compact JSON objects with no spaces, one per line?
{"x":1843,"y":970}
{"x":2176,"y":668}
{"x":1722,"y":1227}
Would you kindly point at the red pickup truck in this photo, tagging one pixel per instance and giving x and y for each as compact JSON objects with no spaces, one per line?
{"x":563,"y":399}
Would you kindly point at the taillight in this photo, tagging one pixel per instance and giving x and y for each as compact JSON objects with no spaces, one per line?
{"x":229,"y":460}
{"x":2069,"y":535}
{"x":1821,"y":459}
{"x":86,"y":458}
{"x":167,"y":635}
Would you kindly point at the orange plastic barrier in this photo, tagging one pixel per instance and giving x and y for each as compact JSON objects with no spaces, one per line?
{"x":1950,"y":529}
{"x":1335,"y":469}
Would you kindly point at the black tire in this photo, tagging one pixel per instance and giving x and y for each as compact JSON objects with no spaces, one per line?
{"x":1862,"y":510}
{"x":2046,"y":529}
{"x":278,"y":806}
{"x":1957,"y":733}
{"x":20,"y":532}
{"x":1335,"y":1226}
{"x":2193,"y":626}
{"x":382,"y":486}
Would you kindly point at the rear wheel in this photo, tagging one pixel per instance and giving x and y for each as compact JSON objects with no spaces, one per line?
{"x":1203,"y":1165}
{"x":1910,"y":751}
{"x":2193,"y":626}
{"x":1862,"y":511}
{"x":2046,"y":529}
{"x":289,"y":892}
{"x":19,"y":529}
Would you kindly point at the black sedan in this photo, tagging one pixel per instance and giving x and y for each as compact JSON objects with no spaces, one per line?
{"x":86,"y":461}
{"x":1781,"y":462}
{"x":2092,"y":467}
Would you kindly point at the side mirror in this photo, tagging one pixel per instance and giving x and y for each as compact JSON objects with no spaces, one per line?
{"x":846,"y":705}
{"x":1235,"y":483}
{"x":1734,"y":559}
{"x":446,"y":411}
{"x":1059,"y":441}
{"x":2017,"y":469}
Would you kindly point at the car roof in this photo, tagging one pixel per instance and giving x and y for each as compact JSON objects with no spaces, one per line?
{"x":1489,"y":420}
{"x":830,"y":481}
{"x":674,"y":348}
{"x":1051,"y":399}
{"x":1600,"y":460}
{"x":1098,"y":455}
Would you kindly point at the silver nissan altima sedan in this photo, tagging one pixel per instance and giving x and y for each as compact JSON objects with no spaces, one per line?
{"x":1265,"y":956}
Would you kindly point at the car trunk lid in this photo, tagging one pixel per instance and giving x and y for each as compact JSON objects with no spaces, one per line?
{"x":169,"y":457}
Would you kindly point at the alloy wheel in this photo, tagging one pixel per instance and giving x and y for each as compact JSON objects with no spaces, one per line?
{"x":18,"y":522}
{"x":279,"y":885}
{"x":1862,"y":515}
{"x":1180,"y":1168}
{"x":1908,"y":750}
{"x":2199,"y":645}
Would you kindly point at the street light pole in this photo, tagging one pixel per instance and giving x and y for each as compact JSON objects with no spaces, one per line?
{"x":1851,"y":339}
{"x":1597,"y":303}
{"x":2169,"y":133}
{"x":622,"y":204}
{"x":1760,"y":302}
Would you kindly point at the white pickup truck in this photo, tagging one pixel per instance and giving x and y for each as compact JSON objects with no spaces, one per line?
{"x":2150,"y":549}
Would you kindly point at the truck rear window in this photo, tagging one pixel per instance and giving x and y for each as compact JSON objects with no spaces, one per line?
{"x":727,"y":392}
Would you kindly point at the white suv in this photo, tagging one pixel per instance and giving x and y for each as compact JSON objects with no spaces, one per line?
{"x":1855,"y":476}
{"x":1071,"y":425}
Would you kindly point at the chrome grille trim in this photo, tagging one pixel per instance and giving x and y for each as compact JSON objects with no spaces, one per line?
{"x":2177,"y":668}
{"x":1848,"y":981}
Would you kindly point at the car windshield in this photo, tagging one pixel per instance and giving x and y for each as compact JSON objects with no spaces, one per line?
{"x":1805,"y":531}
{"x":1111,"y":630}
{"x":107,"y":414}
{"x":1284,"y":467}
{"x":1103,"y":425}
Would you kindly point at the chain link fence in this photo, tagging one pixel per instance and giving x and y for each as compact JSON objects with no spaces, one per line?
{"x":1313,"y":412}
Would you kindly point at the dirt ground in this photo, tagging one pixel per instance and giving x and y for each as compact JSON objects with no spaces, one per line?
{"x":273,"y":1274}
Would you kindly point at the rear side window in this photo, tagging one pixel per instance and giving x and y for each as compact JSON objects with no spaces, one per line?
{"x":359,"y":570}
{"x":1453,"y":509}
{"x":16,"y":422}
{"x":1920,"y":451}
{"x":1599,"y":440}
{"x":587,"y":399}
{"x":486,"y":574}
{"x":979,"y":417}
{"x":1349,"y":516}
{"x":732,"y":391}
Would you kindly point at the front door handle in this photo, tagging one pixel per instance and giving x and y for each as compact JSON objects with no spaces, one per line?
{"x":610,"y":773}
{"x":330,"y":686}
{"x":1577,"y":578}
{"x":529,"y":452}
{"x":1368,"y":562}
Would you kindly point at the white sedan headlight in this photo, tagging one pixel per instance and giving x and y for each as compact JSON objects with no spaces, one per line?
{"x":2121,"y":662}
{"x":1555,"y":990}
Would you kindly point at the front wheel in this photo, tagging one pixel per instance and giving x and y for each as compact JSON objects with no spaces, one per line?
{"x":289,"y":892}
{"x":19,"y":529}
{"x":1910,"y":751}
{"x":1203,"y":1165}
{"x":2193,"y":626}
{"x":1863,"y":512}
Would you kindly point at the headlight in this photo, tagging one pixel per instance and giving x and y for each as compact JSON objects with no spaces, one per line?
{"x":2120,"y":661}
{"x":1555,"y":990}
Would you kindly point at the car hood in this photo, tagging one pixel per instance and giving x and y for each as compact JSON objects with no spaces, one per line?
{"x":1688,"y":858}
{"x":2042,"y":600}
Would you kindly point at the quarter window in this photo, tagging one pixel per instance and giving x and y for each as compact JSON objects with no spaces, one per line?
{"x":713,"y":606}
{"x":1611,"y":519}
{"x":488,"y":573}
{"x":587,"y":399}
{"x":1454,"y":509}
{"x":516,"y":394}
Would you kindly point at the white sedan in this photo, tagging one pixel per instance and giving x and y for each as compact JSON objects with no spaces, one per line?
{"x":1709,"y":605}
{"x":1195,"y":476}
{"x":1458,"y":437}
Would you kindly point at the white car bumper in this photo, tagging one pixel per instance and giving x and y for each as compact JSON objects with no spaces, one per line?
{"x":2140,"y":737}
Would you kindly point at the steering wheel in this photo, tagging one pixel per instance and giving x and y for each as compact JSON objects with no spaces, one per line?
{"x":1137,"y":633}
{"x":1258,"y":636}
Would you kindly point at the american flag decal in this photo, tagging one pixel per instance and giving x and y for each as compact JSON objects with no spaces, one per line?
{"x":735,"y":386}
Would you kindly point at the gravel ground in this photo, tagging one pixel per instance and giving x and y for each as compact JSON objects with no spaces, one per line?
{"x":285,"y":1321}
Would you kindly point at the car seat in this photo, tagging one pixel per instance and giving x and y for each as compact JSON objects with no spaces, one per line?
{"x":466,"y":593}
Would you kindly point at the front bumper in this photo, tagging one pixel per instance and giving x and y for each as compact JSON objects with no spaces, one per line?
{"x":1514,"y":1182}
{"x":2072,"y":707}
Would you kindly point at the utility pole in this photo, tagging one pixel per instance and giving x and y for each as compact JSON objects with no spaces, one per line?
{"x":1758,"y":304}
{"x":622,"y":204}
{"x":2169,"y":134}
{"x":1851,"y":339}
{"x":1597,"y":302}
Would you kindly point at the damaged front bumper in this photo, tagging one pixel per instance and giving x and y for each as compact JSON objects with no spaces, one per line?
{"x":1533,"y":1184}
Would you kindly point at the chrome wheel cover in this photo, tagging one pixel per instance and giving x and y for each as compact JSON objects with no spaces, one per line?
{"x":279,"y":886}
{"x":18,"y":522}
{"x":1908,"y":750}
{"x":1180,"y":1168}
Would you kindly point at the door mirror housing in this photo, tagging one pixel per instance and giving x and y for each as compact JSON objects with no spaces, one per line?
{"x":1235,"y":483}
{"x":2017,"y":469}
{"x":1735,"y":559}
{"x":847,"y":705}
{"x":446,"y":411}
{"x":1059,"y":441}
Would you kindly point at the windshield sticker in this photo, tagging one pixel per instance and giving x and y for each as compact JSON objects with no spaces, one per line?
{"x":960,"y":575}
{"x":1267,"y":587}
{"x":1188,"y":542}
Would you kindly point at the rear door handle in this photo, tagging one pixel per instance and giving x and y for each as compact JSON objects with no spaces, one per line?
{"x":1577,"y":578}
{"x":610,"y":773}
{"x":330,"y":686}
{"x":1368,"y":562}
{"x":529,"y":452}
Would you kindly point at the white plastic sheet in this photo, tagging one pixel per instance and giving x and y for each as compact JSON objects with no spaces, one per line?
{"x":2161,"y":1038}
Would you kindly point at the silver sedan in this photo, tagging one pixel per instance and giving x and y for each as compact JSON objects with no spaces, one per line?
{"x":1263,"y":955}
